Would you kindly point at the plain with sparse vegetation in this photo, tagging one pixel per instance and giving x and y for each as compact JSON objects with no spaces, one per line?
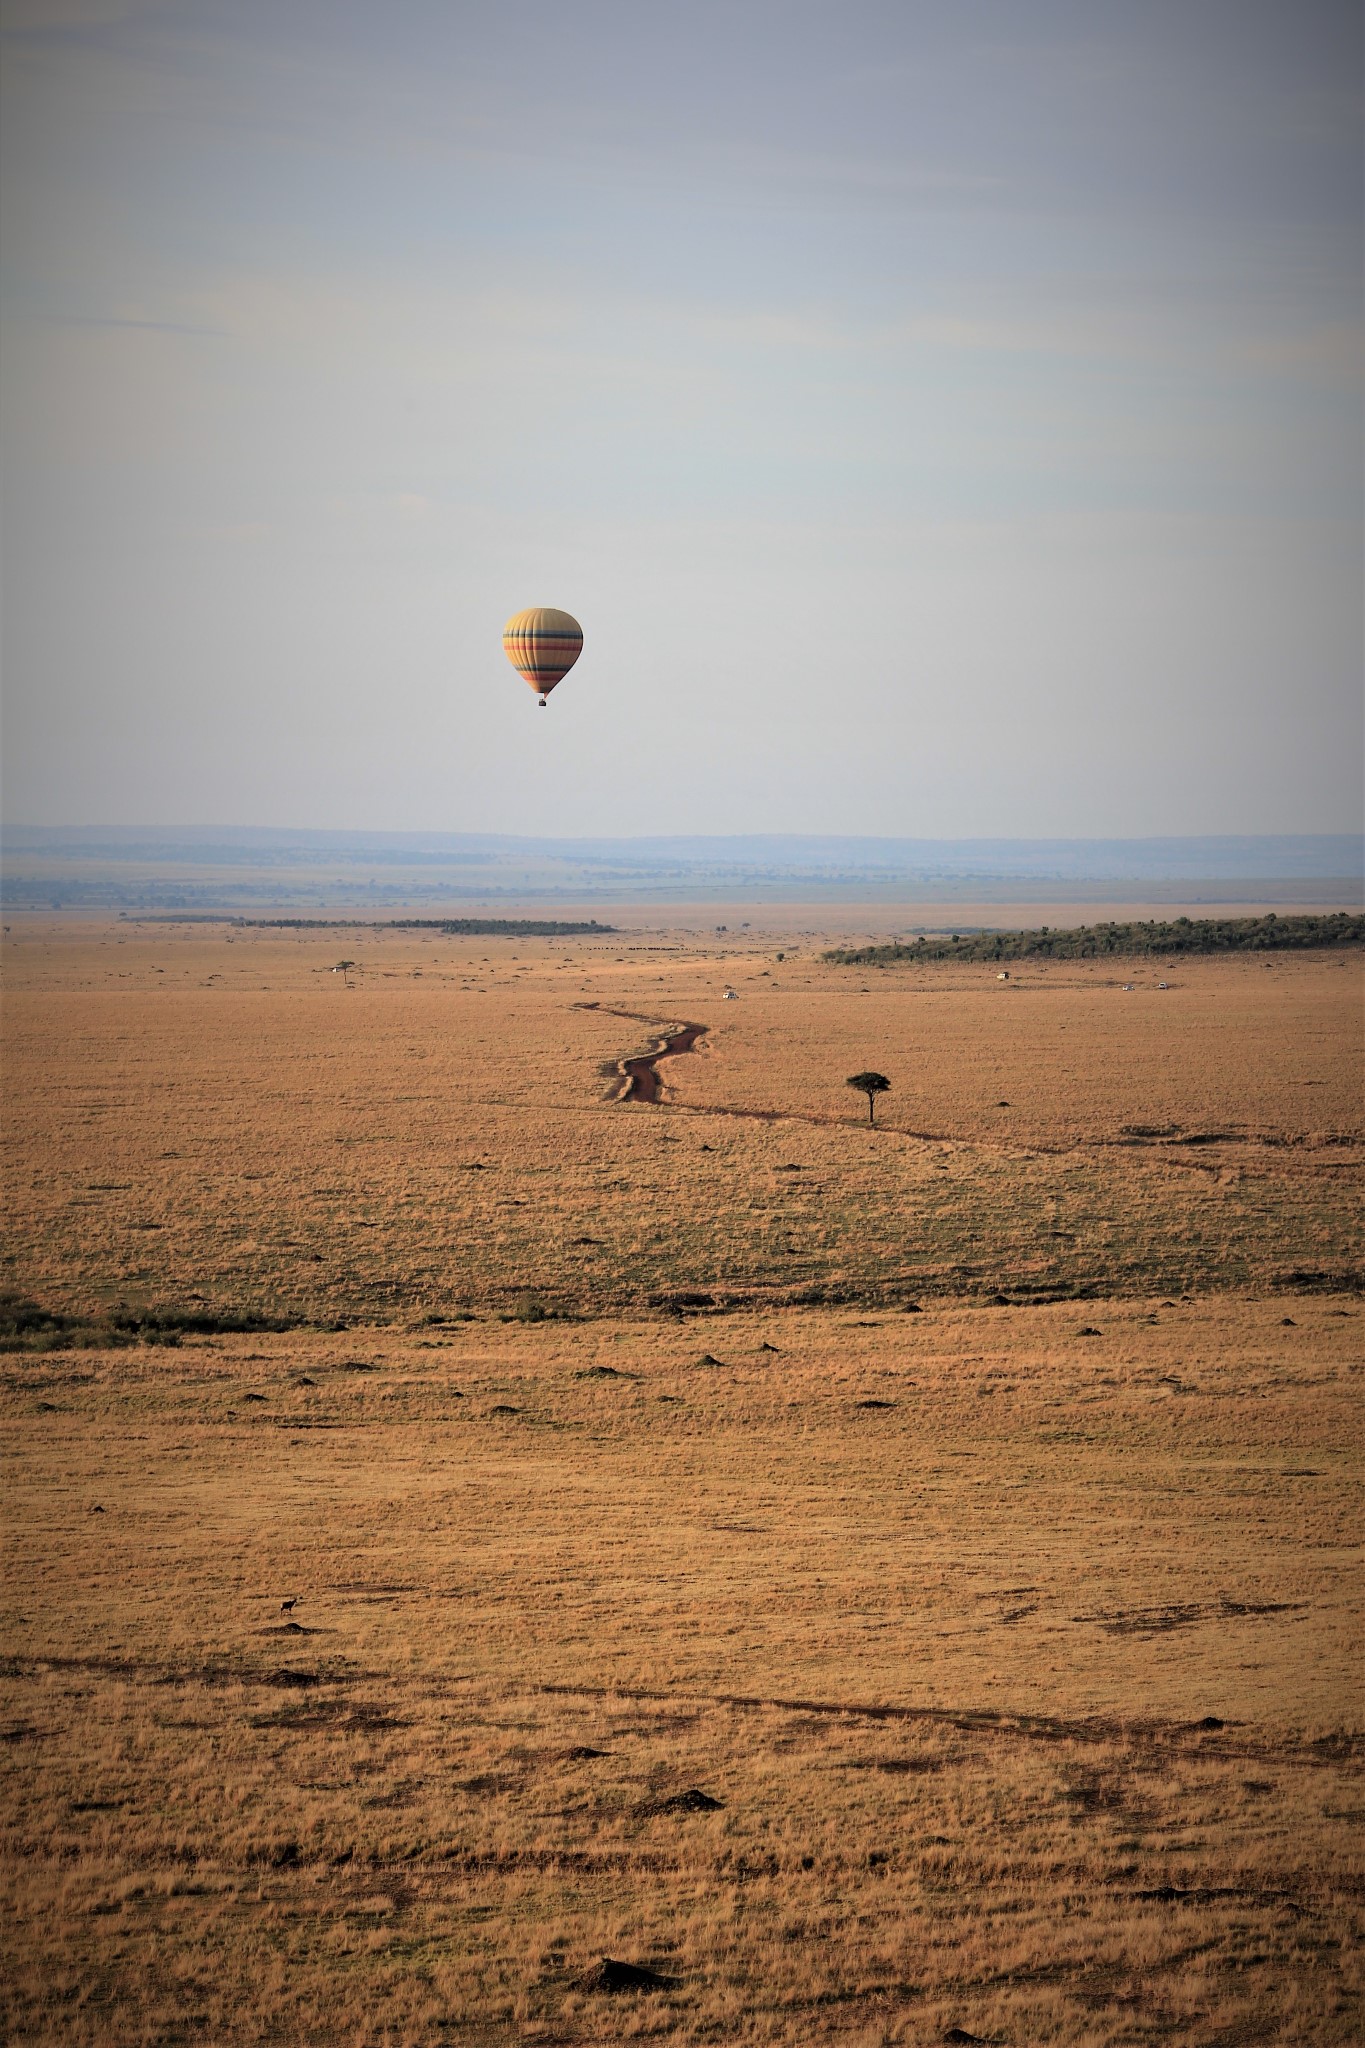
{"x":489,"y":1561}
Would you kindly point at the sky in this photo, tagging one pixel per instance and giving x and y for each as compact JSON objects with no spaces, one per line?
{"x":943,"y":420}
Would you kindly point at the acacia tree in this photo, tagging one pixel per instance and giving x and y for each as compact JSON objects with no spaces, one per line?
{"x":871,"y":1085}
{"x":343,"y":968}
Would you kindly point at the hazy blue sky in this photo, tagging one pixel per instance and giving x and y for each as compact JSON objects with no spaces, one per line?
{"x":943,"y":418}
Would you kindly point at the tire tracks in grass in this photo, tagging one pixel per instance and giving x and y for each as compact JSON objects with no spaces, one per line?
{"x":1189,"y":1737}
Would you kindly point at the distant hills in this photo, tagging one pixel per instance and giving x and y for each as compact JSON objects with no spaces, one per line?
{"x":245,"y":867}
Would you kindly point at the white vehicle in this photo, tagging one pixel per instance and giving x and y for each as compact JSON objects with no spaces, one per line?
{"x":729,"y":996}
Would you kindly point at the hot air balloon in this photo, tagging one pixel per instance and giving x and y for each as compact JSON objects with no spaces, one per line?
{"x":542,"y":645}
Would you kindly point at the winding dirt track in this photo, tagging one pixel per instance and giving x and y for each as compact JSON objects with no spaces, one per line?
{"x":640,"y":1074}
{"x":643,"y":1084}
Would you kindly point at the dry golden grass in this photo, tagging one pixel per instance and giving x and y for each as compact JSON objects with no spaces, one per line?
{"x":193,"y":1117}
{"x":934,"y":1605}
{"x":1053,"y":1554}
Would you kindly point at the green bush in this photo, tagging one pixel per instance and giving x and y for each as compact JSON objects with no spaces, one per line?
{"x":1088,"y":941}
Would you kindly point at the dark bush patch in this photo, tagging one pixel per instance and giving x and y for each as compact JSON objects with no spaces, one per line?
{"x":693,"y":1800}
{"x":1321,"y":1280}
{"x":26,"y":1326}
{"x":1271,"y":933}
{"x":612,"y":1976}
{"x":200,"y":1321}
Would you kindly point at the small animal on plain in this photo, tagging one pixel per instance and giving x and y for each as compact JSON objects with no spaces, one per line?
{"x":288,"y":1606}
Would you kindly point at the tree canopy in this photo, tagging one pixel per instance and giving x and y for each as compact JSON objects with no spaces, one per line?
{"x":871,"y":1085}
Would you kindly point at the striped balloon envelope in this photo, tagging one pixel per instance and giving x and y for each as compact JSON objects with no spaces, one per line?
{"x":542,"y":645}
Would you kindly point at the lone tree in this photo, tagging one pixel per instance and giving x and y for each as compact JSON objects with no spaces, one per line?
{"x":343,"y":968}
{"x":870,"y":1085}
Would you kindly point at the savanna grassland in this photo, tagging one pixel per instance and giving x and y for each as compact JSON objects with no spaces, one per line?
{"x":221,"y":1119}
{"x":882,"y":1580}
